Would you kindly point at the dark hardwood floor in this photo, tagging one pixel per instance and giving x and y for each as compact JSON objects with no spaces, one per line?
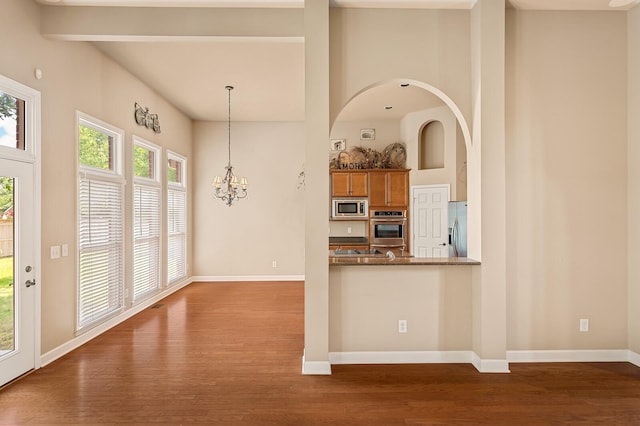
{"x":230,"y":354}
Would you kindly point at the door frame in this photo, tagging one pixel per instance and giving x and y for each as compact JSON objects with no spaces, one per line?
{"x":31,"y":155}
{"x":412,"y":202}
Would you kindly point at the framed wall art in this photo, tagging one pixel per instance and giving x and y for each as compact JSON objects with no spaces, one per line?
{"x":367,"y":134}
{"x":338,"y":144}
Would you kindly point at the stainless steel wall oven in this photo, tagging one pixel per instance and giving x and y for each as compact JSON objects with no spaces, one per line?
{"x":388,"y":229}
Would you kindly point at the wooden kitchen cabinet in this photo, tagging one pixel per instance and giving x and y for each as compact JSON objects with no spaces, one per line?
{"x":389,"y":188}
{"x":349,"y":184}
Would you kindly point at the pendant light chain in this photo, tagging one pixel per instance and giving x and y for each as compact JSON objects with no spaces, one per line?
{"x":229,"y":89}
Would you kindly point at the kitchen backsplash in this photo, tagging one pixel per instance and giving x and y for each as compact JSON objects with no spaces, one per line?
{"x":341,"y":228}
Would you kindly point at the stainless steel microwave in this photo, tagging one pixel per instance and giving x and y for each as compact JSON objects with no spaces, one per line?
{"x":349,"y":208}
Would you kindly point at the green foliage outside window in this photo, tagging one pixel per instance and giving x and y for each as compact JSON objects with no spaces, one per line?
{"x":142,"y":162}
{"x":95,"y":148}
{"x":173,"y":171}
{"x":7,"y":106}
{"x":6,"y":193}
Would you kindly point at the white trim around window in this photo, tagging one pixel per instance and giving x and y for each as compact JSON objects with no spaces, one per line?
{"x":100,"y":285}
{"x":147,"y":229}
{"x":176,"y":218}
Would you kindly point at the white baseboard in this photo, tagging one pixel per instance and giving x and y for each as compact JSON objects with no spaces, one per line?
{"x":634,"y":358}
{"x":490,"y":365}
{"x":80,"y":340}
{"x":234,"y":278}
{"x":318,"y":368}
{"x":596,"y":355}
{"x":421,"y":357}
{"x":400,"y":357}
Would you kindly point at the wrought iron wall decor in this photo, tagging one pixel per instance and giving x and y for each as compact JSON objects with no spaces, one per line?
{"x":144,"y":118}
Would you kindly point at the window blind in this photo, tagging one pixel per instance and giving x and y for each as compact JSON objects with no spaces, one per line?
{"x":101,"y":250}
{"x":176,"y":230}
{"x":146,"y":240}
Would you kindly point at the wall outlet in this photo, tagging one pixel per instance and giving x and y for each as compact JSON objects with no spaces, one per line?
{"x":274,"y":264}
{"x":348,"y":229}
{"x":584,"y":325}
{"x":402,"y":326}
{"x":54,"y":252}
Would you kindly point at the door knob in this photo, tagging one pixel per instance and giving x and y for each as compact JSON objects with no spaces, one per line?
{"x":29,"y":283}
{"x":443,"y":244}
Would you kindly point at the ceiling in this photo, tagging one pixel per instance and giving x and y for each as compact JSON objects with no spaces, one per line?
{"x":268,"y":76}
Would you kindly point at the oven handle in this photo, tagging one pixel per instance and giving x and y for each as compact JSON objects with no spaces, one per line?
{"x":376,"y":220}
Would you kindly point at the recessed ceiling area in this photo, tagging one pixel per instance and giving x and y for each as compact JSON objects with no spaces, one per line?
{"x":370,"y":104}
{"x":268,"y":76}
{"x":397,"y":4}
{"x":572,"y":4}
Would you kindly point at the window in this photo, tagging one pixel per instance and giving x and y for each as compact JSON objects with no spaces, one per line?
{"x":100,"y":222}
{"x":19,"y":123}
{"x":176,"y":218}
{"x":146,"y":219}
{"x":11,"y":121}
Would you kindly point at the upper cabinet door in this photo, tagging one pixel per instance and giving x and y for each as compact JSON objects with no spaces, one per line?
{"x":349,"y":184}
{"x":340,"y":184}
{"x":389,"y":189}
{"x":397,"y":189}
{"x":359,"y":184}
{"x":377,"y":188}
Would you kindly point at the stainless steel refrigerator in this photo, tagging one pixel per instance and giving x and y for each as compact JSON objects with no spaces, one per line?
{"x":458,"y":229}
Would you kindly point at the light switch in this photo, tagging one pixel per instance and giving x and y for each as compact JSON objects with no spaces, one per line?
{"x":54,"y":252}
{"x":65,"y":250}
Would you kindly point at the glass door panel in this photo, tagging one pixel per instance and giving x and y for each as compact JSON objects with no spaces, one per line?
{"x":7,"y":287}
{"x":17,"y":274}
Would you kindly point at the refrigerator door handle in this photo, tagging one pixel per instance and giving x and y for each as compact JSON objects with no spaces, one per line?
{"x":454,"y":236}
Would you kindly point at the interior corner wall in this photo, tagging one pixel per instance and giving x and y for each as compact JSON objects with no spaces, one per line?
{"x":76,"y":76}
{"x":633,"y":233}
{"x":266,"y":226}
{"x":567,"y":179}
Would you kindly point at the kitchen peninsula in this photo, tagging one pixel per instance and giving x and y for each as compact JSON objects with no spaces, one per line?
{"x":386,"y":306}
{"x":383,"y":260}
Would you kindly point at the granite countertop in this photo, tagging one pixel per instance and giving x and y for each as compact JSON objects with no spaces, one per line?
{"x":381,"y":259}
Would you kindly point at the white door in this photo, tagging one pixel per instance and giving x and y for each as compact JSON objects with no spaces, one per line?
{"x":429,"y":220}
{"x":17,"y":274}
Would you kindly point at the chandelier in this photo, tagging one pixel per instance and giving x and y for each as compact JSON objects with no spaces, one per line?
{"x":228,"y":189}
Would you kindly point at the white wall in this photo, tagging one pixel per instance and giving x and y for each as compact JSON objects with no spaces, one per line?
{"x":566,"y":179}
{"x":76,"y":76}
{"x":244,"y":239}
{"x":373,"y":45}
{"x":567,"y":145}
{"x":366,"y":303}
{"x":633,"y":177}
